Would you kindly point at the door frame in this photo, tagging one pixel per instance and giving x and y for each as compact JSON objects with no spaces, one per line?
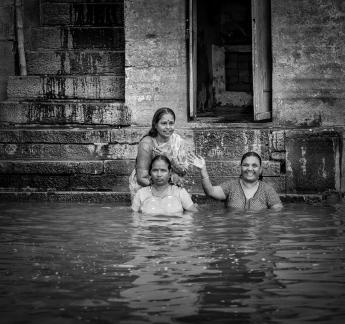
{"x":261,"y":57}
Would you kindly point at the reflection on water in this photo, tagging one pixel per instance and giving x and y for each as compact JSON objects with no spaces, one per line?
{"x":75,"y":263}
{"x":163,"y":261}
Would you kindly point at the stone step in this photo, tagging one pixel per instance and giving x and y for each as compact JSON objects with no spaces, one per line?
{"x":96,"y":182}
{"x":216,"y":144}
{"x":80,"y":1}
{"x":111,"y":38}
{"x":81,"y":182}
{"x":66,"y":152}
{"x":82,"y":14}
{"x":76,"y":62}
{"x":65,"y":112}
{"x":216,"y":169}
{"x":66,"y":87}
{"x":111,"y":197}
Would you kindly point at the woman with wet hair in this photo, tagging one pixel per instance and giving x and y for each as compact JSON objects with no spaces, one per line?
{"x":246,"y":192}
{"x":161,"y":196}
{"x":161,"y":139}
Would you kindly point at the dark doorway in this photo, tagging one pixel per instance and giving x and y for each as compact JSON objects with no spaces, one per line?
{"x":225,"y":90}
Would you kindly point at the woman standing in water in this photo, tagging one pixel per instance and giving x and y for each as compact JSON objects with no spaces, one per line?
{"x":161,"y":139}
{"x":162,"y":197}
{"x":246,"y":192}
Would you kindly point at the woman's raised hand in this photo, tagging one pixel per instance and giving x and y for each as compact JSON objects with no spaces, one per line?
{"x":196,"y":160}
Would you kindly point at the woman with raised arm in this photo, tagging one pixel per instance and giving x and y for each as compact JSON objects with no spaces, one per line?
{"x":246,"y":192}
{"x":161,"y":139}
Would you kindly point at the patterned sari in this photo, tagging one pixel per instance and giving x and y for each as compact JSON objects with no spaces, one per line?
{"x":174,"y":149}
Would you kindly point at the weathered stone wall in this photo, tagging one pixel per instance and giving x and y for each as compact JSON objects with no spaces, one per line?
{"x":308,"y":38}
{"x":6,"y":44}
{"x":156,"y":73}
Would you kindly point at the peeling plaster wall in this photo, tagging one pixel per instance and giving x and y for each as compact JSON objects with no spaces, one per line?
{"x":308,"y":38}
{"x":156,"y":72}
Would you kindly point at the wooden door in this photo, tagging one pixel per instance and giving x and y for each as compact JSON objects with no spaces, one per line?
{"x":262,"y":59}
{"x":192,"y":67}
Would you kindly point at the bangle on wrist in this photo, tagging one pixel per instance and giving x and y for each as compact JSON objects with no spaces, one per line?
{"x":206,"y":177}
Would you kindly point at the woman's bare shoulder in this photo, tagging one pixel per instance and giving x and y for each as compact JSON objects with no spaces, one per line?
{"x":147,"y":139}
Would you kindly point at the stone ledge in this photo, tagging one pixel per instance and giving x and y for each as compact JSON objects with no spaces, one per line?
{"x":124,"y":197}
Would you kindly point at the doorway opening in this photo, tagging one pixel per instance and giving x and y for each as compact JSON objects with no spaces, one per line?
{"x":231,"y":61}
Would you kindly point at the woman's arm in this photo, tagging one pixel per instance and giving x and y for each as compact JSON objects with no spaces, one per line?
{"x":273,"y":199}
{"x":143,"y":161}
{"x":277,"y":206}
{"x":186,"y":201}
{"x":136,"y":203}
{"x":215,"y":192}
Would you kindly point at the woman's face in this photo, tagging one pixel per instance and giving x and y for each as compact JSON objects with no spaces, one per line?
{"x":250,"y":169}
{"x":166,"y":125}
{"x":160,"y":173}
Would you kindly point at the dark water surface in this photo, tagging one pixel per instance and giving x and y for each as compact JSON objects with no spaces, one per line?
{"x":93,"y":263}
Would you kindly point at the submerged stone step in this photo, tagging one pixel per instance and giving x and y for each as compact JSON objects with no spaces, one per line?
{"x":76,"y":62}
{"x":82,"y":14}
{"x":66,"y":87}
{"x":111,"y":38}
{"x":62,"y":112}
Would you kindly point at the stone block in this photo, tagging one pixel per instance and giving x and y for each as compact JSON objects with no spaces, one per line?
{"x":7,"y":58}
{"x":231,"y":144}
{"x":76,"y":62}
{"x":154,"y":53}
{"x":119,"y":167}
{"x":82,"y":14}
{"x":58,"y":136}
{"x":69,"y":38}
{"x":36,"y":151}
{"x":81,"y":1}
{"x":3,"y":87}
{"x":99,"y":183}
{"x":7,"y":22}
{"x":307,"y":12}
{"x":326,"y":110}
{"x":34,"y":182}
{"x":51,"y":167}
{"x":120,"y":198}
{"x":120,"y":151}
{"x":148,"y":89}
{"x":66,"y":87}
{"x":95,"y":151}
{"x":154,"y":19}
{"x":312,"y":161}
{"x":60,"y":112}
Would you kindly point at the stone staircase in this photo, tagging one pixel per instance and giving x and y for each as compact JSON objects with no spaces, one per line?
{"x":59,"y":121}
{"x":75,"y":63}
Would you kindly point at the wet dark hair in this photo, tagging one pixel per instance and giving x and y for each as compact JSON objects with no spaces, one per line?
{"x":254,"y":154}
{"x":156,"y":118}
{"x":162,"y":158}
